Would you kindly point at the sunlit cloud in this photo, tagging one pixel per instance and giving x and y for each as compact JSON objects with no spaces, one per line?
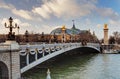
{"x":99,"y":25}
{"x":108,"y":13}
{"x":22,"y":13}
{"x":63,"y":8}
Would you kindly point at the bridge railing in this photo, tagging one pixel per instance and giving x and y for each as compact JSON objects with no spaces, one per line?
{"x":4,"y":47}
{"x":97,"y":45}
{"x":45,"y":45}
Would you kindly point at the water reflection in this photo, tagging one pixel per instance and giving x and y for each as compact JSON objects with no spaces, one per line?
{"x":100,"y":66}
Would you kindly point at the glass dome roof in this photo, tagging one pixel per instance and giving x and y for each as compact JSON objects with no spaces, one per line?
{"x":58,"y":31}
{"x":71,"y":31}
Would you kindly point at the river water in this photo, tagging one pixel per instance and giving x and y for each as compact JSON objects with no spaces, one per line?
{"x":89,"y":66}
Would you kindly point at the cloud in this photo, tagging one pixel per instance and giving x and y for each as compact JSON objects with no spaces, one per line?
{"x":47,"y":29}
{"x":99,"y":25}
{"x":108,"y":13}
{"x":42,"y":11}
{"x":5,"y":6}
{"x":3,"y":21}
{"x":64,"y":8}
{"x":15,"y":21}
{"x":22,"y":13}
{"x":88,"y":22}
{"x":22,"y":24}
{"x":114,"y":23}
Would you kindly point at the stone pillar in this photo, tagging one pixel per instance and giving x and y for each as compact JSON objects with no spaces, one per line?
{"x":9,"y":54}
{"x":105,"y":34}
{"x":63,"y":34}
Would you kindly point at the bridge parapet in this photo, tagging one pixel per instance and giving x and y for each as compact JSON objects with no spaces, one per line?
{"x":93,"y":44}
{"x":23,"y":47}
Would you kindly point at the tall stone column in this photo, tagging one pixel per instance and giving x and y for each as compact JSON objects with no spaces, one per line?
{"x":105,"y":34}
{"x":9,"y":55}
{"x":63,"y":34}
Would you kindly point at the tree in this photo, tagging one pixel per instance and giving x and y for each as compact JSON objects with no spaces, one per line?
{"x":116,"y":36}
{"x":111,"y":40}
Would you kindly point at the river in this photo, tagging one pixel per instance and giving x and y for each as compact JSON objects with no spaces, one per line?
{"x":88,"y":66}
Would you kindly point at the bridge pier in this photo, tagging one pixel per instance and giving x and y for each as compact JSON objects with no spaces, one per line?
{"x":9,"y":60}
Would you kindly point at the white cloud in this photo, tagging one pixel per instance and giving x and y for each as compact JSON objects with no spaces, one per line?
{"x":47,"y":29}
{"x":17,"y":21}
{"x":22,"y":13}
{"x":114,"y":23}
{"x":43,"y":11}
{"x":25,"y":24}
{"x":3,"y":29}
{"x":64,"y":8}
{"x":3,"y":21}
{"x":4,"y":5}
{"x":22,"y":24}
{"x":88,"y":22}
{"x":108,"y":12}
{"x":99,"y":25}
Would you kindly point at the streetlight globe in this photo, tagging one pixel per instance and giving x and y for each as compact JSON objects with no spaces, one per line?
{"x":10,"y":19}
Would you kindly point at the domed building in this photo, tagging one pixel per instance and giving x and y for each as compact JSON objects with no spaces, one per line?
{"x":74,"y":30}
{"x":58,"y":31}
{"x":71,"y":31}
{"x":64,"y":34}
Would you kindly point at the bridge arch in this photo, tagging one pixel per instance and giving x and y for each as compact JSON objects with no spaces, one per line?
{"x":89,"y":49}
{"x":55,"y":50}
{"x":3,"y":71}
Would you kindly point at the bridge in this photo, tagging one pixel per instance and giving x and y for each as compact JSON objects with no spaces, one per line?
{"x":18,"y":59}
{"x":32,"y":55}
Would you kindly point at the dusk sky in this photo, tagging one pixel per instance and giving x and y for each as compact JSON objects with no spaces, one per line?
{"x":39,"y":16}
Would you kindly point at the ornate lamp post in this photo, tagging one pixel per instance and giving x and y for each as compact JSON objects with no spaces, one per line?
{"x":42,"y":37}
{"x":18,"y":29}
{"x":18,"y":38}
{"x":11,"y":36}
{"x":26,"y":35}
{"x":55,"y":38}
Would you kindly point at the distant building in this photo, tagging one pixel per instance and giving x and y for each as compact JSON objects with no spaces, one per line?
{"x":74,"y":34}
{"x":71,"y":31}
{"x":58,"y":35}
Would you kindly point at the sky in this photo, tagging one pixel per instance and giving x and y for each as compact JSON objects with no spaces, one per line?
{"x":39,"y":16}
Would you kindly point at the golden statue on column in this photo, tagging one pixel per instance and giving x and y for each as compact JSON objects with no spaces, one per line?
{"x":105,"y":34}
